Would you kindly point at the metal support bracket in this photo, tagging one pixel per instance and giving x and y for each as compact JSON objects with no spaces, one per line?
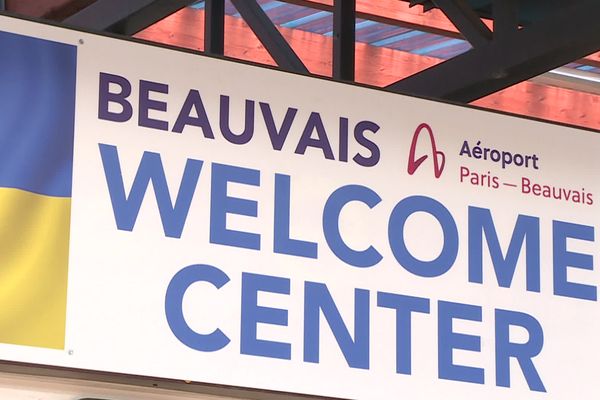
{"x":214,"y":27}
{"x":124,"y":17}
{"x":344,"y":38}
{"x":460,"y":13}
{"x":520,"y":55}
{"x":269,"y":36}
{"x":506,"y":18}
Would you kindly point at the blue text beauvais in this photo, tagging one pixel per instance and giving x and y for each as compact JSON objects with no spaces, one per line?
{"x":317,"y":298}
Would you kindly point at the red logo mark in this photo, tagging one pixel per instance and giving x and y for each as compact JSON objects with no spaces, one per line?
{"x":439,"y":159}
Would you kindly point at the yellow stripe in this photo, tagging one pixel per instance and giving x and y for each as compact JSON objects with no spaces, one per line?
{"x":34,"y":251}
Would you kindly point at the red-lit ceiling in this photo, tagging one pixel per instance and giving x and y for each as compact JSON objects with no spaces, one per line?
{"x":379,"y":65}
{"x":375,"y":65}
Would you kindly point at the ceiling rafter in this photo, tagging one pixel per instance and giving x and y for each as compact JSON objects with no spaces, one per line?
{"x":214,"y":27}
{"x":344,"y":38}
{"x":124,"y":17}
{"x":474,"y":74}
{"x":520,"y":55}
{"x":506,"y":18}
{"x":399,"y":13}
{"x":270,"y":37}
{"x":377,"y":66}
{"x":48,"y":9}
{"x":466,"y":21}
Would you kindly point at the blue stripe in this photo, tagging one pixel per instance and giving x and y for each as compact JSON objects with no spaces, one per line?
{"x":397,"y":38}
{"x":437,"y":46}
{"x":379,"y":32}
{"x":358,"y":26}
{"x":272,"y":5}
{"x":37,"y":112}
{"x":364,"y":24}
{"x":304,"y":20}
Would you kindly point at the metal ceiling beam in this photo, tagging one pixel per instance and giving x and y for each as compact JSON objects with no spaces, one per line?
{"x":460,"y":13}
{"x":506,"y":18}
{"x":378,"y":66}
{"x":569,"y":34}
{"x":391,"y":12}
{"x":344,"y":37}
{"x":214,"y":27}
{"x":269,"y":36}
{"x":124,"y":17}
{"x":48,"y":9}
{"x":427,"y":4}
{"x":399,"y":13}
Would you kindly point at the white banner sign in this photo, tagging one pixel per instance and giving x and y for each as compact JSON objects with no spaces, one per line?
{"x":171,"y":215}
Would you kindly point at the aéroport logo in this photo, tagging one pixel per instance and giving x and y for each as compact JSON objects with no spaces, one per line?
{"x":438,"y":157}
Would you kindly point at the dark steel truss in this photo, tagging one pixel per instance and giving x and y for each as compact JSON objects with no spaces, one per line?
{"x":525,"y":42}
{"x":269,"y":36}
{"x":124,"y":17}
{"x":344,"y":38}
{"x":214,"y":27}
{"x":512,"y":55}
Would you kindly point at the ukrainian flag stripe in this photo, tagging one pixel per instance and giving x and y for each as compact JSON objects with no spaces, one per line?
{"x":37,"y":96}
{"x":37,"y":108}
{"x":33,"y":277}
